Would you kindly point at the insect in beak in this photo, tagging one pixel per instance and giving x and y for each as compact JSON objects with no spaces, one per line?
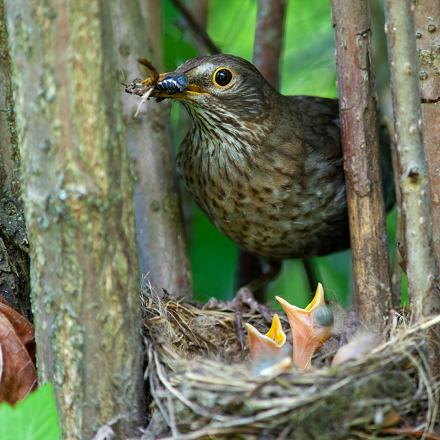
{"x":171,"y":83}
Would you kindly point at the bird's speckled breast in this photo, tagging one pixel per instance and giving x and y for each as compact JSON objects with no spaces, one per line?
{"x":258,"y":201}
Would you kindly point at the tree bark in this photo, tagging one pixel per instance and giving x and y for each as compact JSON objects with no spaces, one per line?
{"x":427,"y":24}
{"x":421,"y":265}
{"x":14,"y":259}
{"x":78,"y":205}
{"x":269,"y":39}
{"x":352,"y":20}
{"x":159,"y":228}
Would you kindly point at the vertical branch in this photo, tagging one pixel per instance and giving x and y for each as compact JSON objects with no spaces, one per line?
{"x":421,"y":266}
{"x":399,"y":258}
{"x":78,"y":204}
{"x":269,"y":38}
{"x":197,"y":28}
{"x":14,"y":259}
{"x":159,"y":229}
{"x":199,"y":11}
{"x":360,"y":143}
{"x":427,"y":23}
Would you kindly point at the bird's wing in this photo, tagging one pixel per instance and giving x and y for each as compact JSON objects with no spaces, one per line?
{"x":318,"y":120}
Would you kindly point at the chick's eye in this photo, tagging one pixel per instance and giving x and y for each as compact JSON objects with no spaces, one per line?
{"x":223,"y":77}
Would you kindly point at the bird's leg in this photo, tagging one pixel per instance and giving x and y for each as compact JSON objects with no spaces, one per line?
{"x":265,"y":278}
{"x":310,"y":272}
{"x":249,"y":268}
{"x":245,"y":295}
{"x":244,"y":299}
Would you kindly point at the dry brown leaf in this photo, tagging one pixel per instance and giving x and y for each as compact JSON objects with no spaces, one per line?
{"x":18,"y":375}
{"x":23,"y":328}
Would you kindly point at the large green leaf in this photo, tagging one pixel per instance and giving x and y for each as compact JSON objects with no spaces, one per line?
{"x":34,"y":418}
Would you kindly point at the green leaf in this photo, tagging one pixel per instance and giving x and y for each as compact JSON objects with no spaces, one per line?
{"x":34,"y":418}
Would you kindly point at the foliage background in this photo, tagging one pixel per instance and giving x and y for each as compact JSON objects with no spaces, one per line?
{"x":308,"y":68}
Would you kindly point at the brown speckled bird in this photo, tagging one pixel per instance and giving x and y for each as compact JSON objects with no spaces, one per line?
{"x":266,"y":168}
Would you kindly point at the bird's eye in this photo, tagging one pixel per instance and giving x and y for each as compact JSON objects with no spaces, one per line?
{"x":222,"y":77}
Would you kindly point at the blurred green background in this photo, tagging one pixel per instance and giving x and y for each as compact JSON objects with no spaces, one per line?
{"x":307,"y":67}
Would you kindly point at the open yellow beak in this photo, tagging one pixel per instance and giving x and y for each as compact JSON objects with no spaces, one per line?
{"x":311,"y":327}
{"x":267,"y":345}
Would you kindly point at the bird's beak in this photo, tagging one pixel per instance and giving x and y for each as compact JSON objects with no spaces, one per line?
{"x":266,"y":345}
{"x":311,"y":327}
{"x":175,"y":85}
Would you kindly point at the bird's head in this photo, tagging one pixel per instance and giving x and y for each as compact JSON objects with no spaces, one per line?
{"x":218,"y":84}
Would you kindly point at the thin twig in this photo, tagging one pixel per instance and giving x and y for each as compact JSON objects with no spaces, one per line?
{"x":410,"y":431}
{"x":193,"y":406}
{"x":397,"y":272}
{"x":196,"y":29}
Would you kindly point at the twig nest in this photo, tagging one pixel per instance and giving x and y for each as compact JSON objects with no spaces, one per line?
{"x":202,"y":384}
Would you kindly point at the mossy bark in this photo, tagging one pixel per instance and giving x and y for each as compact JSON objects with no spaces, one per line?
{"x":160,"y":234}
{"x":14,"y":259}
{"x":78,"y":206}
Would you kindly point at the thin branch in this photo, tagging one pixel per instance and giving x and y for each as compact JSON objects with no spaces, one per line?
{"x":421,"y":265}
{"x":352,"y":20}
{"x":199,"y":10}
{"x":269,"y":38}
{"x":399,"y":259}
{"x":196,"y":29}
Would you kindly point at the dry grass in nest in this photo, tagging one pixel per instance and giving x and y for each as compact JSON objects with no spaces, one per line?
{"x":201,"y":387}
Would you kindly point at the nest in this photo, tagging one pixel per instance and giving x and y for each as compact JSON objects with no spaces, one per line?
{"x":201,"y":386}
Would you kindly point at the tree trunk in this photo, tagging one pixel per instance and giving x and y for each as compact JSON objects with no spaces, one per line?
{"x":427,"y":24}
{"x":352,"y":22}
{"x":159,"y":227}
{"x":14,"y":259}
{"x":78,"y":205}
{"x":421,"y":265}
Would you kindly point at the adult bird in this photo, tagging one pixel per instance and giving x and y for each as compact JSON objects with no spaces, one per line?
{"x":266,"y":168}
